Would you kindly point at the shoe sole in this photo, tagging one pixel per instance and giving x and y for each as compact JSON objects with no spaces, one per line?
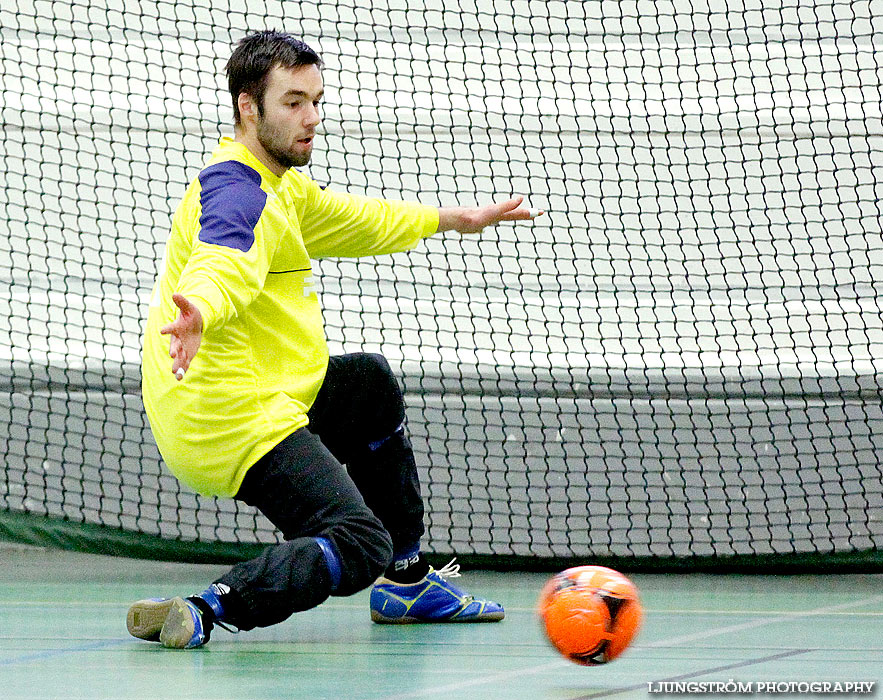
{"x":384,"y":620}
{"x":177,"y":630}
{"x":146,"y":618}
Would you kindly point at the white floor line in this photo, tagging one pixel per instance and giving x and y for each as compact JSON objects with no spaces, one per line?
{"x":509,"y":609}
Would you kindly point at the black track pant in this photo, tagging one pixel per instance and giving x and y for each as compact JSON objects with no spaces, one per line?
{"x":367,"y":510}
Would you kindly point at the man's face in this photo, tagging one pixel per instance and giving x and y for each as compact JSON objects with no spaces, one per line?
{"x":291,"y":114}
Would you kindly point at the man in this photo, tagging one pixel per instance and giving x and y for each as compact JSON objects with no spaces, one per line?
{"x":252,"y":407}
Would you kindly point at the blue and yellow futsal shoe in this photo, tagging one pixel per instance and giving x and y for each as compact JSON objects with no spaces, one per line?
{"x":173,"y":622}
{"x":433,"y":599}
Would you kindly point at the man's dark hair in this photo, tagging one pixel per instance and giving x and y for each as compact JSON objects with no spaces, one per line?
{"x":256,"y":55}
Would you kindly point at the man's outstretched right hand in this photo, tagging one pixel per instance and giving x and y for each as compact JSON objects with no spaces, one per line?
{"x":186,"y":332}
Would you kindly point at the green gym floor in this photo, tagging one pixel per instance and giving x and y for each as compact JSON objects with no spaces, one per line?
{"x":63,"y":635}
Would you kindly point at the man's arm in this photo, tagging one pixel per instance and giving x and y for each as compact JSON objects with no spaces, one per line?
{"x":345,"y":225}
{"x":228,"y":257}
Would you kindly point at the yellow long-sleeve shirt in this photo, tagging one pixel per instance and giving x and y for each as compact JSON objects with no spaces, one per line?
{"x":240,"y":249}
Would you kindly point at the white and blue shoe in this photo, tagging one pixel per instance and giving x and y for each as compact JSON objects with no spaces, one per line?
{"x":175,"y":623}
{"x":433,"y":599}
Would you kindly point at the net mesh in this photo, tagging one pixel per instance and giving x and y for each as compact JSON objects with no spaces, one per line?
{"x":683,"y":358}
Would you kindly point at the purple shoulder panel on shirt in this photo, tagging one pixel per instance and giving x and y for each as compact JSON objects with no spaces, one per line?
{"x":232,"y":203}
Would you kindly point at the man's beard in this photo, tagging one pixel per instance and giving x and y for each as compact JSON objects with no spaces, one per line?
{"x":267,"y":137}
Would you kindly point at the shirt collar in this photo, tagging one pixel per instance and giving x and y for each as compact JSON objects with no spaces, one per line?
{"x":227,"y":146}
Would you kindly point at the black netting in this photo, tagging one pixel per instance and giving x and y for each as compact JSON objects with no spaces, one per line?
{"x":683,"y":358}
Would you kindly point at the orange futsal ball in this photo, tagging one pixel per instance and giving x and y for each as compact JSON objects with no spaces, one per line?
{"x":590,"y":613}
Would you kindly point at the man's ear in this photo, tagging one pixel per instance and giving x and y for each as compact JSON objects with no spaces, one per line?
{"x":248,"y":108}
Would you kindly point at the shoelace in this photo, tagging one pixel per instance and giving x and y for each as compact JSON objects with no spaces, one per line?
{"x":449,"y":570}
